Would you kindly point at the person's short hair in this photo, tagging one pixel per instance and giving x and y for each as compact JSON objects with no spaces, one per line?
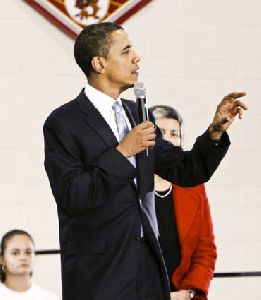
{"x":168,"y":112}
{"x":94,"y":40}
{"x":165,"y":111}
{"x":6,"y":237}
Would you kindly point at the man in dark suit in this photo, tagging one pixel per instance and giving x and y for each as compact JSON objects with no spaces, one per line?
{"x":103,"y":183}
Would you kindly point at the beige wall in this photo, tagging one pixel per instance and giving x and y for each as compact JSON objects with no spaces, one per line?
{"x":193,"y":53}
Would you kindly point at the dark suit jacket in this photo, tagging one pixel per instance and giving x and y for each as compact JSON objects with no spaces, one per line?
{"x":98,"y":206}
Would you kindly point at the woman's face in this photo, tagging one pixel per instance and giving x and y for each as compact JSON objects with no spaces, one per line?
{"x":170,"y":129}
{"x":18,"y":257}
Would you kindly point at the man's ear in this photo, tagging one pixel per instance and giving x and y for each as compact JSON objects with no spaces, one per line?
{"x":1,"y":260}
{"x":98,"y":64}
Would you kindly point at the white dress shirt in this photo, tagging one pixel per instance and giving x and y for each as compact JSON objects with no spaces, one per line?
{"x":103,"y":103}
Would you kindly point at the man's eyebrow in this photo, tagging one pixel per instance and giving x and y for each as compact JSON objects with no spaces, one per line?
{"x":127,"y":47}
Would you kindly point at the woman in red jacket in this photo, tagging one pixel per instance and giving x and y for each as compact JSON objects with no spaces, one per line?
{"x":185,"y":225}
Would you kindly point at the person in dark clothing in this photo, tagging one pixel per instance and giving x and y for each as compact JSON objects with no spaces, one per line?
{"x":103,"y":180}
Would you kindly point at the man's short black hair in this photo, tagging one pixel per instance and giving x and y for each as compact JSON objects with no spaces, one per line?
{"x":94,"y":40}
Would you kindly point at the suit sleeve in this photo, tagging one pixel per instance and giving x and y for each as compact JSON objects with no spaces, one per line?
{"x":189,"y":168}
{"x":204,"y":256}
{"x":78,"y":187}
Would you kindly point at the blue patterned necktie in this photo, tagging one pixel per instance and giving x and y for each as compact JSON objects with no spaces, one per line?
{"x":122,"y":126}
{"x":148,"y":203}
{"x":120,"y":120}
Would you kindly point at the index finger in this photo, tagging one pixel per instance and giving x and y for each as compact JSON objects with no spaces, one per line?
{"x":236,"y":95}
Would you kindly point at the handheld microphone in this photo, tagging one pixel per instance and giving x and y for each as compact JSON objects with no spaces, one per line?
{"x":140,"y":93}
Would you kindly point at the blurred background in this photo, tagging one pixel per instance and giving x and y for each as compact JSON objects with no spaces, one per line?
{"x":193,"y":53}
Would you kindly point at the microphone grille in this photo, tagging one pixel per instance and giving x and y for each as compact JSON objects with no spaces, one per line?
{"x":140,"y":90}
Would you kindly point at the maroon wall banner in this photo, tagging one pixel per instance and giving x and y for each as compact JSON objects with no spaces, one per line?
{"x":73,"y":15}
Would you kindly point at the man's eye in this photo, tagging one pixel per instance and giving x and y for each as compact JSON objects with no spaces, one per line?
{"x":175,"y":134}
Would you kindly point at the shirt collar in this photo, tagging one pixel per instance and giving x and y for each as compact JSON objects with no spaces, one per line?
{"x":101,"y":101}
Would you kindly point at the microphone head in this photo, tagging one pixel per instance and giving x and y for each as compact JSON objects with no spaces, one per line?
{"x":140,"y":90}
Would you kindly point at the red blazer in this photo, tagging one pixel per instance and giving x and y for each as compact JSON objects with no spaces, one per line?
{"x":195,"y":230}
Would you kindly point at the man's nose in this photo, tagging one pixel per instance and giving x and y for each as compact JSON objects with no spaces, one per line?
{"x":136,"y":57}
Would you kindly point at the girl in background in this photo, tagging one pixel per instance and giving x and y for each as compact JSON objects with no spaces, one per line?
{"x":17,"y":255}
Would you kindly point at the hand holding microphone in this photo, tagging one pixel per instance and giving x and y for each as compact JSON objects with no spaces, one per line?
{"x":142,"y":136}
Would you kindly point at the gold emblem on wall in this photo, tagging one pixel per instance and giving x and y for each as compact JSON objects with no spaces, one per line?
{"x":73,"y":15}
{"x":86,"y":12}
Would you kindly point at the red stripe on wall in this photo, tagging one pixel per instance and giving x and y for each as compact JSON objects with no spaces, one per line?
{"x":52,"y":18}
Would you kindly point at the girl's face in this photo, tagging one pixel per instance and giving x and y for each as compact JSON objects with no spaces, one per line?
{"x":18,"y":257}
{"x":170,"y":129}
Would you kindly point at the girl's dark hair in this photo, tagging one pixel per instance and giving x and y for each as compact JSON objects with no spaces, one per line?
{"x":6,"y":237}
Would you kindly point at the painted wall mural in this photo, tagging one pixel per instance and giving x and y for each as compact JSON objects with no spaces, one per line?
{"x":73,"y":15}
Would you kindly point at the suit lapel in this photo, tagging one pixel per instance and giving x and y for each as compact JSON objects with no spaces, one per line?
{"x":96,"y":120}
{"x":130,"y":113}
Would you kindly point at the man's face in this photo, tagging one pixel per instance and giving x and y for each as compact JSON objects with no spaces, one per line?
{"x":121,"y":68}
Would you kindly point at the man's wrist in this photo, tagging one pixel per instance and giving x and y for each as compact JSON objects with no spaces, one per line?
{"x":214,"y":134}
{"x":119,"y":148}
